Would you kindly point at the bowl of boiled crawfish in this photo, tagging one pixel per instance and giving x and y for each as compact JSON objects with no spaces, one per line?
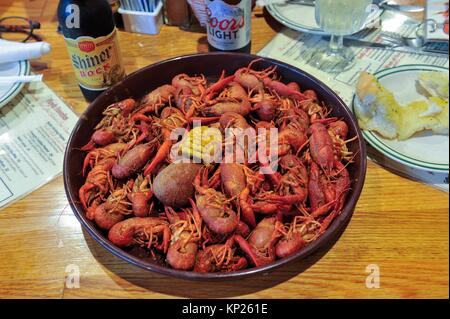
{"x":210,"y":220}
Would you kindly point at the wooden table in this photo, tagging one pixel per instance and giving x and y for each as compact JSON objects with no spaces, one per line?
{"x":399,"y":225}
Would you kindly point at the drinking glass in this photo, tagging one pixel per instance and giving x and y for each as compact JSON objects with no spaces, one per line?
{"x":339,"y":18}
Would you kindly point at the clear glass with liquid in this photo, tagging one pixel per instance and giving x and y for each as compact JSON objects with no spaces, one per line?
{"x":342,"y":17}
{"x":339,"y":18}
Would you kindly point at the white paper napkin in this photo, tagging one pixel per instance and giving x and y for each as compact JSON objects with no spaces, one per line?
{"x":11,"y":51}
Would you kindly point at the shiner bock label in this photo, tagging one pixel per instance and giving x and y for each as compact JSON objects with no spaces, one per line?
{"x":229,"y":26}
{"x":97,"y":61}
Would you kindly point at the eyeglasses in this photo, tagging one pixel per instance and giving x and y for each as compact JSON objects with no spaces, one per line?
{"x":19,"y":29}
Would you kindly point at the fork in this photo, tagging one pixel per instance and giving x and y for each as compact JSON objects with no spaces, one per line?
{"x":398,"y":39}
{"x":417,"y":44}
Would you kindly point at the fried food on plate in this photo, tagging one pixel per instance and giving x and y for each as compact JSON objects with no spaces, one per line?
{"x":378,"y":110}
{"x":434,"y":83}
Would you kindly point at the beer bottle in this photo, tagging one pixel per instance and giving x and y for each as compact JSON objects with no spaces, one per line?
{"x":91,"y":39}
{"x":229,"y":25}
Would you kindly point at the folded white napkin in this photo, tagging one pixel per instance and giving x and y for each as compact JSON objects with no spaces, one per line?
{"x":11,"y":51}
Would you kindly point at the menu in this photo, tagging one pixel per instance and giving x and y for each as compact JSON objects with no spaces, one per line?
{"x":297,"y":48}
{"x":34,"y":130}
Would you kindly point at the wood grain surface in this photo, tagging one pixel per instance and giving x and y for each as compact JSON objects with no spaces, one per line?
{"x":399,"y":225}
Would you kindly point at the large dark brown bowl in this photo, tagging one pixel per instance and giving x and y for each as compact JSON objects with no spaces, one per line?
{"x":211,"y":65}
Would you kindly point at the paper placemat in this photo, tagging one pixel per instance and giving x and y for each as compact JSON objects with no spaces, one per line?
{"x":34,"y":129}
{"x":296,"y":48}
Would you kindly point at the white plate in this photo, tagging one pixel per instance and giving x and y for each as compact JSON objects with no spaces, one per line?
{"x":9,"y":91}
{"x":302,"y":18}
{"x":425,"y":151}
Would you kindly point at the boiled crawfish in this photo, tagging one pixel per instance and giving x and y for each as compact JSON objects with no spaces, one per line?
{"x":186,"y":229}
{"x":148,"y":232}
{"x":260,"y":245}
{"x":214,"y":206}
{"x":232,"y":215}
{"x":113,"y":210}
{"x":219,"y":257}
{"x":139,"y":195}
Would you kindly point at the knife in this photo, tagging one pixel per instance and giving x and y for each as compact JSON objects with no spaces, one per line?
{"x":366,"y":44}
{"x":401,"y":7}
{"x":362,"y":43}
{"x":351,"y":42}
{"x":382,"y":4}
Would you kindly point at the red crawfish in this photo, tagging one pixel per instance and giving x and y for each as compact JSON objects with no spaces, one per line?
{"x":260,"y":245}
{"x":114,"y":209}
{"x":98,"y":154}
{"x":98,"y":183}
{"x":186,"y":230}
{"x":140,"y":195}
{"x":148,"y":231}
{"x":132,"y":161}
{"x":296,"y":235}
{"x":328,"y":193}
{"x":232,"y":99}
{"x":156,"y":99}
{"x":321,"y":147}
{"x":219,"y":257}
{"x":171,"y":118}
{"x":214,"y":207}
{"x":194,"y":85}
{"x":113,"y":127}
{"x":290,"y":188}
